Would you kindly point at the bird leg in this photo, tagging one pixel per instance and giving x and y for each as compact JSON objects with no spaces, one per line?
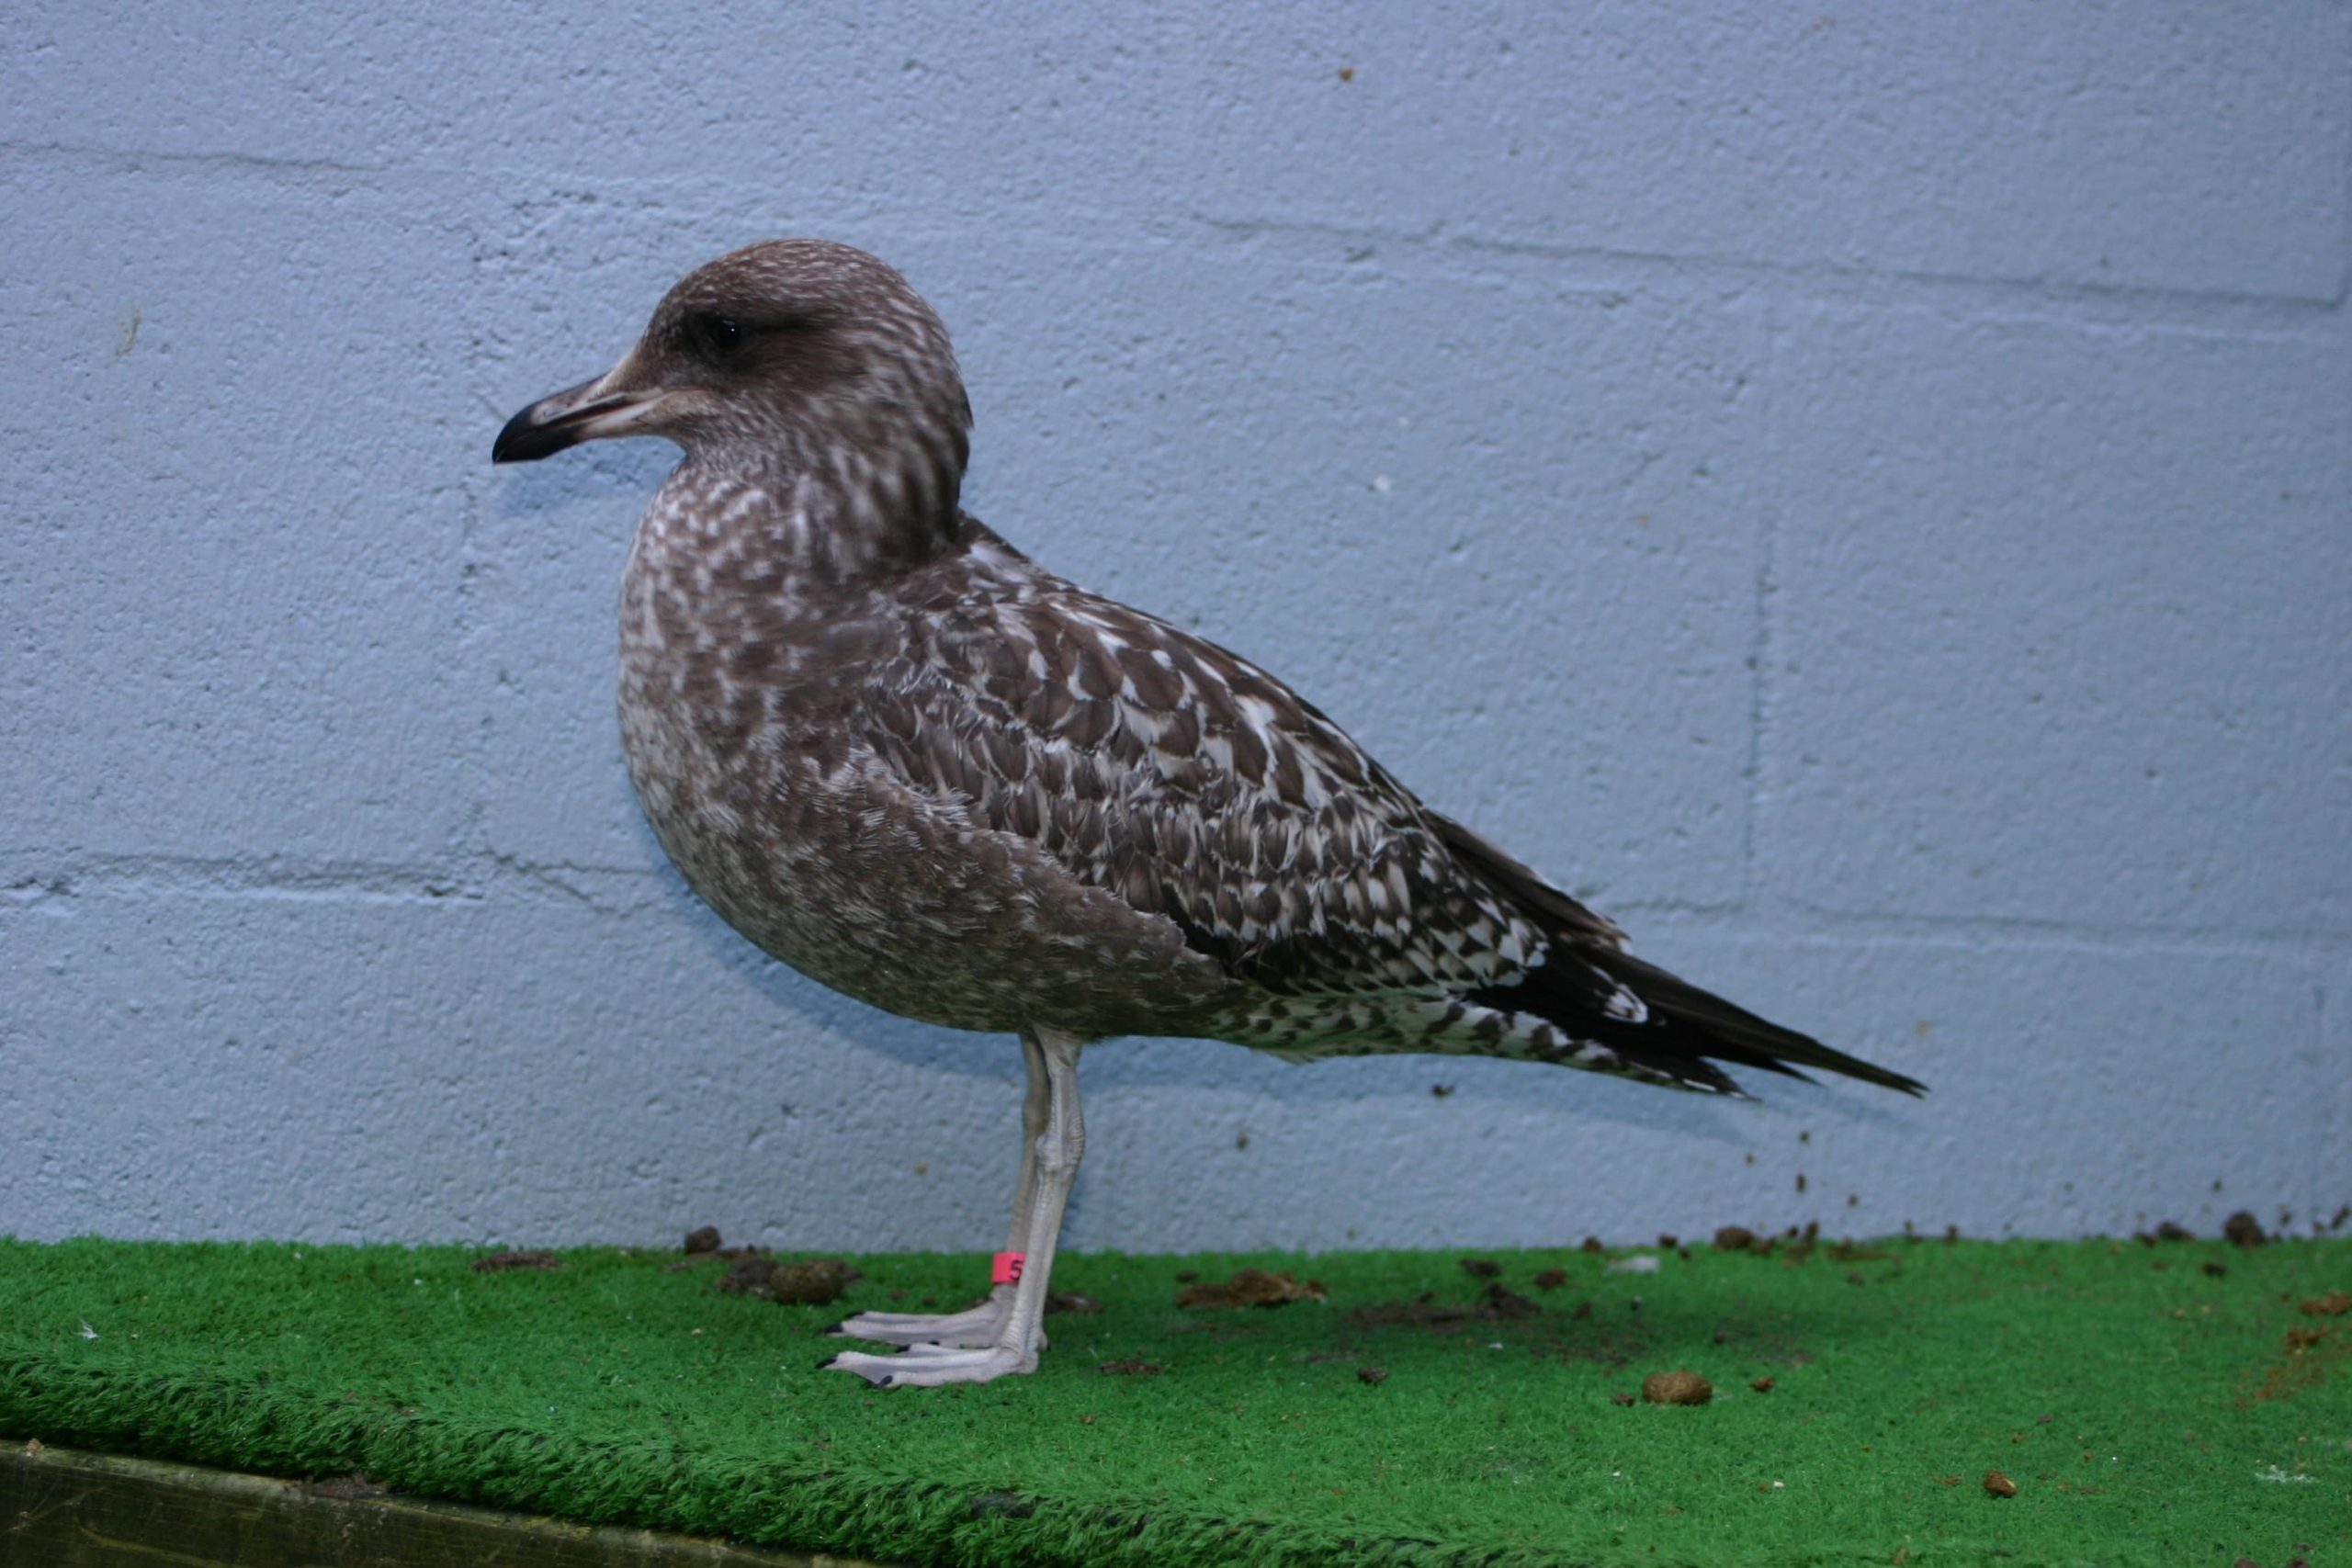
{"x":1005,"y":1333}
{"x":977,"y":1325}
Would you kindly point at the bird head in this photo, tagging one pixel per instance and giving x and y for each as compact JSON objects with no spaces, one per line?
{"x":804,"y":355}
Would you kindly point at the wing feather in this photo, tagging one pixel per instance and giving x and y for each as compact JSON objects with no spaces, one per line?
{"x":1157,"y":765}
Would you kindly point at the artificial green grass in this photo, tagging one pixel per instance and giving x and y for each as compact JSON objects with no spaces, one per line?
{"x":2150,"y":1411}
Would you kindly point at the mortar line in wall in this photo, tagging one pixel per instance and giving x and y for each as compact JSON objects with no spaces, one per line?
{"x":469,"y":879}
{"x":1812,"y":926}
{"x":127,"y":159}
{"x":2343,"y":240}
{"x":1828,"y":279}
{"x":2333,"y":999}
{"x":472,"y":750}
{"x":1760,"y":633}
{"x":477,"y":879}
{"x":175,"y":874}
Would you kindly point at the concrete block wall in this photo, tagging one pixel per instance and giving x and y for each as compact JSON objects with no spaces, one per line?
{"x":1864,"y":495}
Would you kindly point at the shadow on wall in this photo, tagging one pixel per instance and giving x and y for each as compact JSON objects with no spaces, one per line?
{"x":599,"y":471}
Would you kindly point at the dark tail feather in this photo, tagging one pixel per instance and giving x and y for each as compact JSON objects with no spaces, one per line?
{"x":1702,"y":1023}
{"x":1685,"y":1025}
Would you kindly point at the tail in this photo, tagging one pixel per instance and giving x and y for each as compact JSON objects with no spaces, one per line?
{"x":1686,"y":1022}
{"x":1591,"y":988}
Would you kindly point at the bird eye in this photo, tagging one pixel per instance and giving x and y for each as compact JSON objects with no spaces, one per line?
{"x":714,"y":335}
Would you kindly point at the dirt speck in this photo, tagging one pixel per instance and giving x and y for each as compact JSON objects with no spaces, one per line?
{"x":1497,"y":1303}
{"x":2312,"y":1356}
{"x":747,"y":1275}
{"x":1071,"y":1302}
{"x":2213,"y":1268}
{"x":1551,"y":1278}
{"x":1996,"y":1484}
{"x":2242,"y":1229}
{"x":500,"y":1262}
{"x":1735,"y":1238}
{"x":1481,"y":1267}
{"x":1591,"y":1244}
{"x":2335,"y":1303}
{"x":1130,"y":1367}
{"x":1676,"y":1388}
{"x":1803,"y":1243}
{"x":1762,"y":1385}
{"x":1621,"y":1398}
{"x":1372,"y":1376}
{"x":702,"y":1238}
{"x":1856,"y":1252}
{"x":810,"y":1282}
{"x":1254,"y":1287}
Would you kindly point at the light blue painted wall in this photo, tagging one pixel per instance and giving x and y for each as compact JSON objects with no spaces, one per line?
{"x":1862,"y":492}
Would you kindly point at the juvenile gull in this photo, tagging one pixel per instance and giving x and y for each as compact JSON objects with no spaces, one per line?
{"x":902,"y":757}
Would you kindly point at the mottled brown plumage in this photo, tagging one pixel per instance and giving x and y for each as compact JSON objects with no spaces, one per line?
{"x":900,"y":755}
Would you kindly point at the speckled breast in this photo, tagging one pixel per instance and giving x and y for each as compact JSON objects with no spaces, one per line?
{"x":755,"y":784}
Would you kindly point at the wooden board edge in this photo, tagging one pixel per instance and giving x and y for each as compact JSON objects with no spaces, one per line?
{"x":71,"y":1508}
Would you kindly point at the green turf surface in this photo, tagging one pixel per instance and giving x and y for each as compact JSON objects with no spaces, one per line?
{"x":2150,"y":1411}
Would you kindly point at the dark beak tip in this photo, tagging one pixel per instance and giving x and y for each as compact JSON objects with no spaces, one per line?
{"x":521,"y":440}
{"x":551,"y":424}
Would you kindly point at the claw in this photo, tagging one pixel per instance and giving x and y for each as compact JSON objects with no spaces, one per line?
{"x":975,"y":1327}
{"x":928,"y":1366}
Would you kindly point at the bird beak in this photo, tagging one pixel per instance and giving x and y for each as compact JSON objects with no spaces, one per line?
{"x":589,"y":412}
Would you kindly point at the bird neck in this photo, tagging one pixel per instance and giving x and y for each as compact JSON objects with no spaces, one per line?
{"x":838,"y":519}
